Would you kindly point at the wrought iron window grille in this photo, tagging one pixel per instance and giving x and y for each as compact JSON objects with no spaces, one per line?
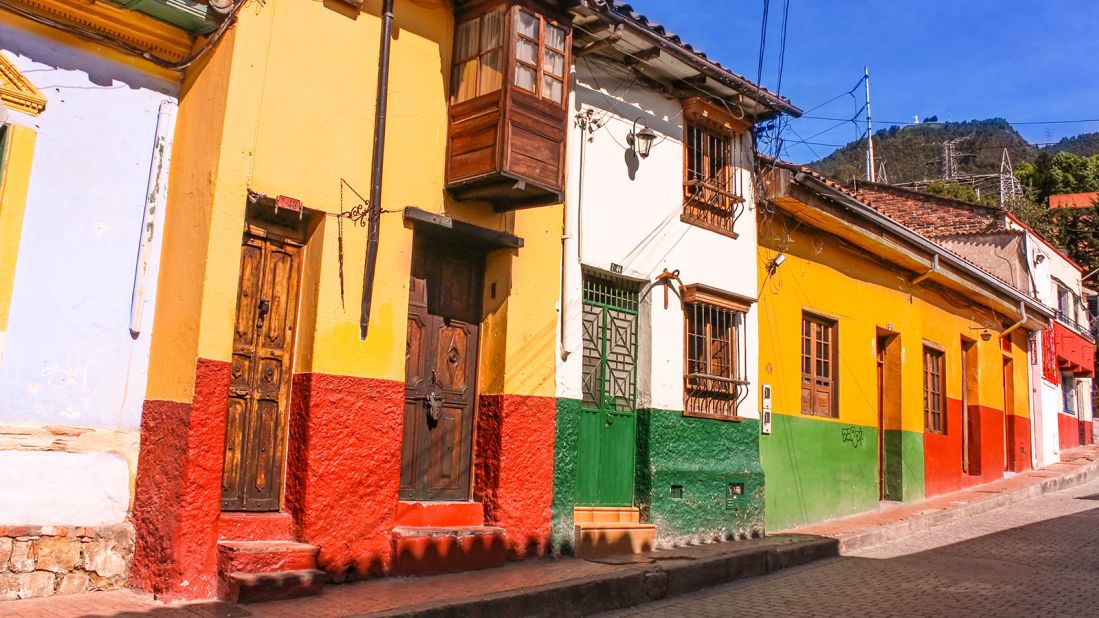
{"x":715,"y":383}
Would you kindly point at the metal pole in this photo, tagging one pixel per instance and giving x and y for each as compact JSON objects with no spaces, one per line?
{"x":378,"y":157}
{"x":871,"y":172}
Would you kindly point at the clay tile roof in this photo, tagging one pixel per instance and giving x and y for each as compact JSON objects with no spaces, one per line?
{"x":1073,"y":200}
{"x":863,"y":199}
{"x":625,"y":10}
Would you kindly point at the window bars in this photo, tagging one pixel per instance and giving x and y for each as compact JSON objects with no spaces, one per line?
{"x":934,"y":391}
{"x":716,"y":379}
{"x":713,"y":192}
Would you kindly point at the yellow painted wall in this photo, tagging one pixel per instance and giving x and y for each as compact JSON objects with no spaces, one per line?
{"x":13,"y":204}
{"x":288,"y":103}
{"x":822,"y":275}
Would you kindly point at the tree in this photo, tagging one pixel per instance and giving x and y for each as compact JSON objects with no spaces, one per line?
{"x":959,"y":192}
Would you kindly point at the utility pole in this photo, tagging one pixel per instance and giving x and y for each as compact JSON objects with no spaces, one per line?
{"x":871,"y":172}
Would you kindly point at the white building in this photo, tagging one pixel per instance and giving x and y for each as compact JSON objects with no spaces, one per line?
{"x":656,"y":382}
{"x":85,"y":143}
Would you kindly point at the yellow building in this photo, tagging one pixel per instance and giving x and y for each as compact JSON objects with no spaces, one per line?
{"x":352,"y":368}
{"x":892,"y":368}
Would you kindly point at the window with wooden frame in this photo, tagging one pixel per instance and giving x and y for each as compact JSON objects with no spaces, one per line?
{"x":713,"y":189}
{"x":818,"y":366}
{"x":540,"y":56}
{"x":478,"y":56}
{"x":934,"y":390}
{"x":716,"y":378}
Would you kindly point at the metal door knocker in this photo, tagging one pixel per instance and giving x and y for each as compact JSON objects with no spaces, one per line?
{"x":434,"y":407}
{"x":264,"y":307}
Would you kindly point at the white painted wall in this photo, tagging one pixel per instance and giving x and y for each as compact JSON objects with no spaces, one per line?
{"x":634,"y":222}
{"x":68,"y":358}
{"x":1045,"y":265}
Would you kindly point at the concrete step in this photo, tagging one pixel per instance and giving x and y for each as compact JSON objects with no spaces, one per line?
{"x":434,"y":550}
{"x":596,"y":539}
{"x":265,"y":556}
{"x":241,"y":587}
{"x":605,"y":514}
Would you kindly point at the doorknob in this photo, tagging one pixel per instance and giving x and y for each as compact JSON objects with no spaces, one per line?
{"x":434,"y":406}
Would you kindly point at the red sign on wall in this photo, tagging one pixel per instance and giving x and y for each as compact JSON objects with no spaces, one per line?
{"x":1049,"y":357}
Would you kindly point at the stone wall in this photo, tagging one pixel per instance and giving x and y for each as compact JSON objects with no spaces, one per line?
{"x":41,"y":561}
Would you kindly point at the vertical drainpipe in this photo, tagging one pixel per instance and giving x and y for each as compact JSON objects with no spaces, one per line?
{"x":377,"y":159}
{"x":156,"y":198}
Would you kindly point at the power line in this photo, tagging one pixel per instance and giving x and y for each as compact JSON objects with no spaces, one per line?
{"x":911,"y":123}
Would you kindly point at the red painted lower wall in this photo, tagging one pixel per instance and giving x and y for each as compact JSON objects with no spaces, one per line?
{"x":344,"y":469}
{"x":1068,"y":428}
{"x":1021,"y":443}
{"x":943,"y":453}
{"x":514,"y":469}
{"x":177,"y":495}
{"x":342,"y":478}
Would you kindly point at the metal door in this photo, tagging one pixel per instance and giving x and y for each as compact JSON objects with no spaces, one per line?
{"x":607,"y":442}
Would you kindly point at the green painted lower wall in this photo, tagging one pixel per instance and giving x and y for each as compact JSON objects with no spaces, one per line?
{"x":903,"y":465}
{"x":565,"y":444}
{"x":700,"y":458}
{"x":817,"y":469}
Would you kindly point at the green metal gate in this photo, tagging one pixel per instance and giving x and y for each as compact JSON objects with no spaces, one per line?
{"x":607,"y":442}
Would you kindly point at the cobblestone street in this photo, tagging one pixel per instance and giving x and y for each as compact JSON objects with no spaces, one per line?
{"x":1035,"y":558}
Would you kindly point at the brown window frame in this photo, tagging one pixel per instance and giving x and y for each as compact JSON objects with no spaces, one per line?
{"x":710,"y":390}
{"x":480,"y":55}
{"x":539,"y":67}
{"x":811,"y":326}
{"x":713,"y":195}
{"x":934,"y":416}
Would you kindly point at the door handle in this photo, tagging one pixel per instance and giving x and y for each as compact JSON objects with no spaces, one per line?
{"x":240,"y":392}
{"x":263,"y":309}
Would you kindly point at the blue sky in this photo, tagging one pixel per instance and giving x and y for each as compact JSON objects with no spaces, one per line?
{"x":1025,"y":61}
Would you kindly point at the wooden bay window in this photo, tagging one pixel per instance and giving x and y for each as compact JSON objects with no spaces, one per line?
{"x":509,"y":88}
{"x":716,"y":378}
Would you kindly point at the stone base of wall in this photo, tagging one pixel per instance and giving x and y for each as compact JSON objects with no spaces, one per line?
{"x":42,"y":561}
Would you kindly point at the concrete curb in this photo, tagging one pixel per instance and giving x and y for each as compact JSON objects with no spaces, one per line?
{"x":636,"y":584}
{"x":885,"y":533}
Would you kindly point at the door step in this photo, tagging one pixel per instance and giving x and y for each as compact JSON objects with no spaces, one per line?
{"x":274,"y":586}
{"x":252,"y":571}
{"x":598,"y":539}
{"x":434,"y":550}
{"x":606,"y":514}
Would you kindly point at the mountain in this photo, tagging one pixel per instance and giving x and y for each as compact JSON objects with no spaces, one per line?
{"x":916,"y":152}
{"x":1085,"y":145}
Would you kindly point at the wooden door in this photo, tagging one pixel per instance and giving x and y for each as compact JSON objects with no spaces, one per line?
{"x":260,"y":375}
{"x":882,"y":343}
{"x":444,"y":315}
{"x":606,"y":450}
{"x":1009,"y":412}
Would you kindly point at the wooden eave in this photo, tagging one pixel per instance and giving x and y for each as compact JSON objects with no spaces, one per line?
{"x":820,"y":212}
{"x":140,"y":31}
{"x":680,"y":73}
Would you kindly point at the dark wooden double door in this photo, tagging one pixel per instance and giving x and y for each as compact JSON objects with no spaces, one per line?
{"x":444,"y":316}
{"x":260,"y":374}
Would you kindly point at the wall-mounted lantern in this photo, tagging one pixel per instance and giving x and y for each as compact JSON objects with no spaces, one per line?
{"x":986,"y":335}
{"x":641,"y":141}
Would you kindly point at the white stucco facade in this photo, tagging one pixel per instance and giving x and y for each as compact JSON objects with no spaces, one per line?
{"x":625,"y":212}
{"x":72,"y":365}
{"x":1047,"y":266}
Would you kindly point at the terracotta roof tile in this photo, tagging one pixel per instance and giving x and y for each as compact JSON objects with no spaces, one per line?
{"x":1073,"y":200}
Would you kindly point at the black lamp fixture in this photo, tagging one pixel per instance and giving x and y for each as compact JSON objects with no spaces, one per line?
{"x":986,"y":334}
{"x":641,"y":141}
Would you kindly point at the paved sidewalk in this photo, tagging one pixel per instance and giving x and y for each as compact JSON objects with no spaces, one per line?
{"x":572,"y":587}
{"x":897,"y":520}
